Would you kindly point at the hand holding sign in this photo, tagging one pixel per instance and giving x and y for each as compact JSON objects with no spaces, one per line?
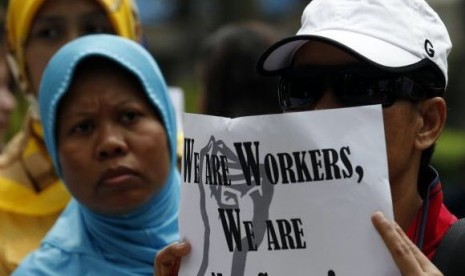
{"x":409,"y":259}
{"x":168,"y":259}
{"x":410,"y":262}
{"x":241,"y":166}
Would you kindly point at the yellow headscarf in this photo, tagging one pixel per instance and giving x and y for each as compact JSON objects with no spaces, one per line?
{"x":122,"y":14}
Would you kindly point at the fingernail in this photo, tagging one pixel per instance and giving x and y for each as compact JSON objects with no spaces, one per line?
{"x":379,"y":216}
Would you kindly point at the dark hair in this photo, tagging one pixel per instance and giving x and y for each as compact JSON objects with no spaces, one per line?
{"x":231,"y":86}
{"x":426,"y":156}
{"x":95,"y":63}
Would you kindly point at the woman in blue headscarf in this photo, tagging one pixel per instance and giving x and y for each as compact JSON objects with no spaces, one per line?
{"x":110,"y":129}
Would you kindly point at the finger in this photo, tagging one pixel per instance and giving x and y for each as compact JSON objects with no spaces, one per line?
{"x":400,"y":250}
{"x":173,"y":251}
{"x":423,"y":261}
{"x":168,"y":259}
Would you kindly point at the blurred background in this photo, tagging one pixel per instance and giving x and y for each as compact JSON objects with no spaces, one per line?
{"x":175,"y":29}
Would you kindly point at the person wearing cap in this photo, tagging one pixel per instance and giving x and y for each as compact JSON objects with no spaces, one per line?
{"x":31,"y":193}
{"x":110,"y":128}
{"x":392,"y":53}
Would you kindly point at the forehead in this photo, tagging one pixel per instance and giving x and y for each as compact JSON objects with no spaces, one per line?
{"x":62,"y":8}
{"x":322,"y":53}
{"x":96,"y":78}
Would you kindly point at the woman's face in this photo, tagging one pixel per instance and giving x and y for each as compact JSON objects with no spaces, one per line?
{"x":112,"y":147}
{"x":56,"y":23}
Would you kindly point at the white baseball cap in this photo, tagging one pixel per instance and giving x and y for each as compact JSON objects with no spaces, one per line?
{"x":395,"y":35}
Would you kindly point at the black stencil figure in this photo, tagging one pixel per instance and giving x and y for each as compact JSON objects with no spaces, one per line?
{"x":331,"y":273}
{"x":228,"y":197}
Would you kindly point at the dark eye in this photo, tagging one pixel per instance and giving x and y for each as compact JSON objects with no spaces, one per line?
{"x":48,"y":33}
{"x":97,"y":28}
{"x":82,"y":128}
{"x":130,"y":116}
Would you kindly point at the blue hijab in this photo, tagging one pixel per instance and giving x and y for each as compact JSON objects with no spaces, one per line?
{"x":83,"y":242}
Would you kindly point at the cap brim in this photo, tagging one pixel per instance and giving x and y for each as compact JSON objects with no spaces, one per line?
{"x":378,"y":52}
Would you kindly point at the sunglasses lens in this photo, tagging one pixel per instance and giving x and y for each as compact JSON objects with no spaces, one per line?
{"x":356,"y":91}
{"x":299,"y":93}
{"x":302,"y":88}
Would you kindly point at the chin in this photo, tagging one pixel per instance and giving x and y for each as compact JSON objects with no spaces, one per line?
{"x":119,"y":206}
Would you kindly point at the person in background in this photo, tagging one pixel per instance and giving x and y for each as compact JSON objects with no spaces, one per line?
{"x":110,"y":128}
{"x":7,"y":99}
{"x":392,"y":53}
{"x":31,"y":193}
{"x":230,"y":85}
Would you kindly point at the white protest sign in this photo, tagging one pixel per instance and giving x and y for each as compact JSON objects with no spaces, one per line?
{"x":286,"y":194}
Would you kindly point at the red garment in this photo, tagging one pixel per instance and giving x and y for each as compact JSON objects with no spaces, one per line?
{"x":428,"y":228}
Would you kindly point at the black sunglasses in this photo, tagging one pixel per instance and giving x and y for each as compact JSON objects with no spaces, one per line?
{"x":353,"y":85}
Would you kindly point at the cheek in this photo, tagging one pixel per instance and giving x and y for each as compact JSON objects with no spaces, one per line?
{"x":75,"y":168}
{"x":400,"y":131}
{"x":36,"y":61}
{"x":155,"y":158}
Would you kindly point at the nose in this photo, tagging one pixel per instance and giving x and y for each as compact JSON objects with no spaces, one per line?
{"x":327,"y":101}
{"x":111,"y":143}
{"x":73,"y":32}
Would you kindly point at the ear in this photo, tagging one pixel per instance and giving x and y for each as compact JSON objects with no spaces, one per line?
{"x":433,"y":118}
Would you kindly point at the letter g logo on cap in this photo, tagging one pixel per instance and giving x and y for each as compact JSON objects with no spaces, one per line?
{"x":429,"y":48}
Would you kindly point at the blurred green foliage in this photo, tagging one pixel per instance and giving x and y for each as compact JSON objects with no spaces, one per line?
{"x":191,"y":90}
{"x":17,"y":116}
{"x":449,"y":157}
{"x":450,"y":148}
